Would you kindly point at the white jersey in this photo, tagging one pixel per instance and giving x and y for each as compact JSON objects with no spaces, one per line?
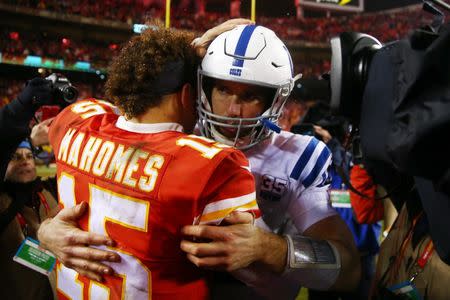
{"x":292,"y":180}
{"x":291,"y":175}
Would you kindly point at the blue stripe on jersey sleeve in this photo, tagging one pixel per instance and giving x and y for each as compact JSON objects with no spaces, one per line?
{"x":326,"y":178}
{"x":304,"y":158}
{"x":320,"y":163}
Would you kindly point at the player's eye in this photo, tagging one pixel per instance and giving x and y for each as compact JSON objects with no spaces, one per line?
{"x":223,"y":90}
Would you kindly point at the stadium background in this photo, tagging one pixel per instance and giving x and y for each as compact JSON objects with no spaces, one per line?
{"x":79,"y":38}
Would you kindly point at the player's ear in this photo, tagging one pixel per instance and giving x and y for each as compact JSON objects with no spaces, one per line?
{"x":187,"y":96}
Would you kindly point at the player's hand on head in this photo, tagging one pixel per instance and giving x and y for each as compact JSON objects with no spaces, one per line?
{"x":70,"y":244}
{"x":201,"y":44}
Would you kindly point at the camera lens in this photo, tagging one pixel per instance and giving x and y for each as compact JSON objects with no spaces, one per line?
{"x":70,"y":94}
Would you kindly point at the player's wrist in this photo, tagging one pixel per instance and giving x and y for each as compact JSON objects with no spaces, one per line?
{"x":274,"y":251}
{"x":40,"y":233}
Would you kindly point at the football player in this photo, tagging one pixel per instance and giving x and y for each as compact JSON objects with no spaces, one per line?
{"x":244,"y":80}
{"x":142,"y":175}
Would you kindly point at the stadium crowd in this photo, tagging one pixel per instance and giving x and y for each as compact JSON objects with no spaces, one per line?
{"x":387,"y":26}
{"x":20,"y":44}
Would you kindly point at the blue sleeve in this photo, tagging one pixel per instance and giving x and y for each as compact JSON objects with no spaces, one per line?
{"x":312,"y":165}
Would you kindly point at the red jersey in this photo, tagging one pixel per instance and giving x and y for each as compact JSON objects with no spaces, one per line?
{"x":143,"y":182}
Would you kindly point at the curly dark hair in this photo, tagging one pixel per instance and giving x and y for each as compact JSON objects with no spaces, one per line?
{"x":132,"y":74}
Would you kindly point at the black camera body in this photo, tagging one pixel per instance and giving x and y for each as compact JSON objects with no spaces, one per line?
{"x":398,"y":95}
{"x":63,"y":88}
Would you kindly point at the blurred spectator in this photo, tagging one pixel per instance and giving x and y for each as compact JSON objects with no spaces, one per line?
{"x":56,"y":47}
{"x":293,"y":113}
{"x":25,"y":201}
{"x":366,"y":209}
{"x":386,"y":26}
{"x":9,"y":89}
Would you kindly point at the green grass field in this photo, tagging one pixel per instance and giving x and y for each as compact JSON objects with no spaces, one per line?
{"x":303,"y":294}
{"x":46,"y":171}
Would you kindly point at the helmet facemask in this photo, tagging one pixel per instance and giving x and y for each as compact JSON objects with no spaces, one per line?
{"x":251,"y":55}
{"x":249,"y":131}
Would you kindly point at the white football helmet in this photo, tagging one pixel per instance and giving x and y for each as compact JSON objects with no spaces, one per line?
{"x":247,"y":54}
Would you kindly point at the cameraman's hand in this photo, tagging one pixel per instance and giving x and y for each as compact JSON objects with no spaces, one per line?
{"x":38,"y":92}
{"x":39,"y":133}
{"x":61,"y":236}
{"x":201,"y":44}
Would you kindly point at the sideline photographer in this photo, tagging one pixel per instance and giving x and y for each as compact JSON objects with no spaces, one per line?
{"x":25,"y":199}
{"x":15,"y":117}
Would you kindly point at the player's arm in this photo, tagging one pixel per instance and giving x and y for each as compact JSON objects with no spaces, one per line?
{"x":237,"y":246}
{"x":71,"y":245}
{"x":230,"y":190}
{"x":334,"y":232}
{"x":234,"y":246}
{"x":324,"y":234}
{"x":61,"y":234}
{"x":292,"y":257}
{"x":239,"y":243}
{"x":324,"y":255}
